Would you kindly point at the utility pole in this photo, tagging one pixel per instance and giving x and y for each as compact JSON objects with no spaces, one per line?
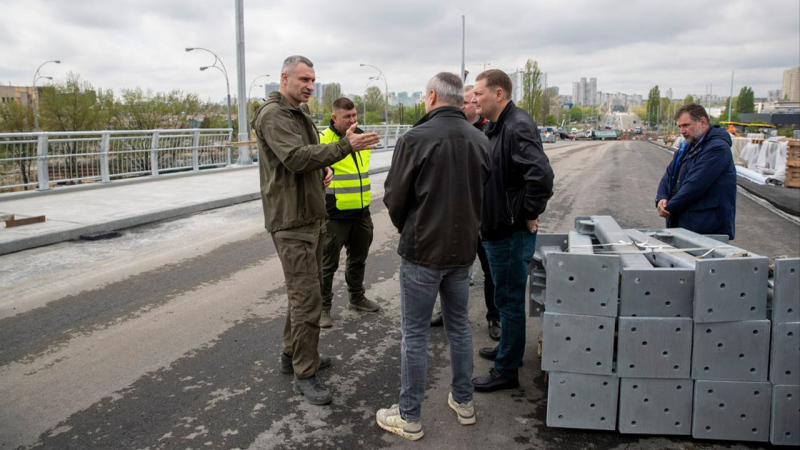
{"x":463,"y":46}
{"x":244,"y":125}
{"x":730,"y":99}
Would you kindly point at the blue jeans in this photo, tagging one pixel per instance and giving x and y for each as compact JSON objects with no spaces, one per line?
{"x":508,"y":259}
{"x":418,"y":288}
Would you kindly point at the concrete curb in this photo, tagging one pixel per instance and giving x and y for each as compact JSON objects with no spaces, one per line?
{"x":120,"y":224}
{"x":55,"y":237}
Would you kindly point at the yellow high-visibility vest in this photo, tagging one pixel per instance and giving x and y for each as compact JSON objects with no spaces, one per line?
{"x":350,"y":184}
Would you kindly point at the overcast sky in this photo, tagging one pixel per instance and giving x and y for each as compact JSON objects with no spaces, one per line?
{"x":629,"y":46}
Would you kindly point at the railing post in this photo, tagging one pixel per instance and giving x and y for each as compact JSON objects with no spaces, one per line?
{"x":104,"y":149}
{"x":196,"y":151}
{"x":154,"y":154}
{"x":396,"y":134}
{"x":386,"y":137}
{"x":230,"y":148}
{"x":41,"y":162}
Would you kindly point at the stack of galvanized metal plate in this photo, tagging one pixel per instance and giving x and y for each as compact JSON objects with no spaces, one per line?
{"x":692,"y":334}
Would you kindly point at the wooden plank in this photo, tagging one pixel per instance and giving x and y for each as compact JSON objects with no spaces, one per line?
{"x":26,"y":221}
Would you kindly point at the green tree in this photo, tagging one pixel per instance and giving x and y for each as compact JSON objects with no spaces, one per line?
{"x":15,"y":118}
{"x":746,"y":103}
{"x":374,"y":99}
{"x":688,"y":99}
{"x":653,"y":103}
{"x":575,"y":114}
{"x":532,"y":98}
{"x":331,"y":93}
{"x":74,"y":105}
{"x":550,"y":120}
{"x":139,"y":110}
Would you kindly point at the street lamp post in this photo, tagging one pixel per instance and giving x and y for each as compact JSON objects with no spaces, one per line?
{"x":386,"y":85}
{"x":371,"y":79}
{"x":37,"y":77}
{"x":224,"y":72}
{"x":254,"y":84}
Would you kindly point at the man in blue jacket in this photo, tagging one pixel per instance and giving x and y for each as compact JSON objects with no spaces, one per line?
{"x":698,"y":189}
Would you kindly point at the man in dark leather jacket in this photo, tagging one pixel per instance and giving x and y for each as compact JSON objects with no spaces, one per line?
{"x":515,"y":196}
{"x":698,"y":189}
{"x":434,"y":193}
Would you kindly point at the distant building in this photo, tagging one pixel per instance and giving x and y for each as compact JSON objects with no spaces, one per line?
{"x":270,"y":88}
{"x":23,"y":95}
{"x":791,"y":84}
{"x":403,"y":98}
{"x":416,"y":97}
{"x":585,"y":93}
{"x":774,"y":96}
{"x":669,"y":93}
{"x":517,"y":82}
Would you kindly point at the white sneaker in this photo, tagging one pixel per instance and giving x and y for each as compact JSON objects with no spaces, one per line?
{"x":391,"y":420}
{"x":464,"y":411}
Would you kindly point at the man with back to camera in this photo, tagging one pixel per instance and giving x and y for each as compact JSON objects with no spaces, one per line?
{"x":492,"y":316}
{"x":291,"y":164}
{"x":515,"y":196}
{"x":698,"y":189}
{"x":349,"y":223}
{"x":434,"y":193}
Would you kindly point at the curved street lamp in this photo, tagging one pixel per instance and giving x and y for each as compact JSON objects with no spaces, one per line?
{"x":371,"y":79}
{"x":254,"y":84}
{"x":224,"y":72}
{"x":386,"y":85}
{"x":37,"y":77}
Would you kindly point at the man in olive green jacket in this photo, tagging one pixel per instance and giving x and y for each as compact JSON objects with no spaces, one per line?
{"x":291,"y":170}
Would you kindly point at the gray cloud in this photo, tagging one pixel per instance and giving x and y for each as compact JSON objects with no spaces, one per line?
{"x":629,"y":46}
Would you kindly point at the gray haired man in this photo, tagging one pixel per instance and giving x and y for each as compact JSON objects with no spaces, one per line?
{"x":434,"y":193}
{"x":291,"y":163}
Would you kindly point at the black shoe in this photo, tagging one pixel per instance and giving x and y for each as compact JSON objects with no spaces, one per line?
{"x":494,"y":329}
{"x":286,"y":363}
{"x":313,"y":390}
{"x":494,"y":382}
{"x":436,"y":320}
{"x":489,"y":353}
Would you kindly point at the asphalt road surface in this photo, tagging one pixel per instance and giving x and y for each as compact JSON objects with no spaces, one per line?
{"x":168,"y":337}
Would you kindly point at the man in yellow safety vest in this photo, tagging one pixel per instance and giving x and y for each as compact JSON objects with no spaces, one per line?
{"x":349,"y":222}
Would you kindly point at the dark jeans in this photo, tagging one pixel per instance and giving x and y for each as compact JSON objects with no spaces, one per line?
{"x":300,"y":251}
{"x":488,"y":285}
{"x":356,"y":236}
{"x":508,"y":259}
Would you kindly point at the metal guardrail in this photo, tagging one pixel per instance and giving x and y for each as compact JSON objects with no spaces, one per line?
{"x":47,"y":159}
{"x":42,"y":160}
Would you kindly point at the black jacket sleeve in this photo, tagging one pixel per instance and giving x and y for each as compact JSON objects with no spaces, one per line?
{"x":537,"y":173}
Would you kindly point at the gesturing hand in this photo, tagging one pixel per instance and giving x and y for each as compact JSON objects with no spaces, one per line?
{"x":662,"y":208}
{"x":362,"y":141}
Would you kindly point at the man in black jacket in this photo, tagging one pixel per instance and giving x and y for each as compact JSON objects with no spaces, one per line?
{"x":434,"y":193}
{"x":515,"y":196}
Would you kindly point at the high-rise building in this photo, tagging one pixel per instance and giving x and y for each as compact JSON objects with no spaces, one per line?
{"x":669,"y":93}
{"x":791,"y":84}
{"x":517,"y":81}
{"x":585,"y":93}
{"x":403,"y":98}
{"x":774,"y":96}
{"x":270,"y":88}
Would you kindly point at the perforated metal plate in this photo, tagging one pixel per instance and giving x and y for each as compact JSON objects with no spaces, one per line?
{"x":732,"y":410}
{"x":786,"y":298}
{"x":582,"y":401}
{"x":785,"y":425}
{"x":578,"y":344}
{"x":654,"y":347}
{"x":734,"y":351}
{"x":657,"y":292}
{"x":582,"y":284}
{"x":784,"y":366}
{"x":655,"y":406}
{"x":730,"y":289}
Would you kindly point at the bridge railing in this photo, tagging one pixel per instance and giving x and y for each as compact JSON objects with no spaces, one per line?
{"x":47,"y":159}
{"x":42,"y":160}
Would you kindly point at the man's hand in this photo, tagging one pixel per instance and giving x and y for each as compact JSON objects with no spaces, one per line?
{"x":362,"y":141}
{"x":328,"y":177}
{"x":662,"y":208}
{"x":533,"y":225}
